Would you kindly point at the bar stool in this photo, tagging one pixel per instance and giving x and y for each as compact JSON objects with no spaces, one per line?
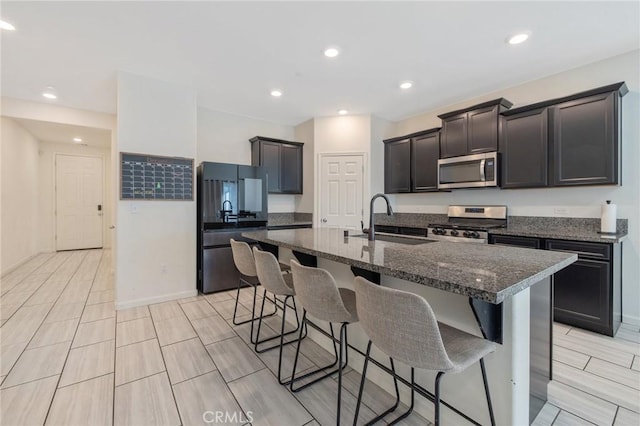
{"x":279,"y":284}
{"x":245,"y":263}
{"x":320,"y":297}
{"x":404,"y":327}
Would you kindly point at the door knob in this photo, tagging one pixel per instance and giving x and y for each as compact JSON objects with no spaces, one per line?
{"x":324,"y":220}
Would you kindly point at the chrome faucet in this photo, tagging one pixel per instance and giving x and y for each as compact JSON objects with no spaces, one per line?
{"x":230,"y":205}
{"x":372,"y":227}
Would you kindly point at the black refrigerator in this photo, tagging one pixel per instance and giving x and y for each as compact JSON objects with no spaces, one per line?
{"x":231,"y":199}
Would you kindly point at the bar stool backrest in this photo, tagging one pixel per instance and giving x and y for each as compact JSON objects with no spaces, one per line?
{"x":318,"y":293}
{"x":269,"y":273}
{"x":243,"y":258}
{"x":402,"y":325}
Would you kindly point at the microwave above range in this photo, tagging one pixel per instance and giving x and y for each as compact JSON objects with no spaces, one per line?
{"x":468,"y":171}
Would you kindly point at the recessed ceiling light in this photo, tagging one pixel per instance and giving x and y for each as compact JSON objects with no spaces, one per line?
{"x":276,"y":93}
{"x":50,"y":93}
{"x":406,"y":85}
{"x":518,"y":38}
{"x":77,"y":140}
{"x":4,"y":25}
{"x":343,"y":112}
{"x":331,"y":52}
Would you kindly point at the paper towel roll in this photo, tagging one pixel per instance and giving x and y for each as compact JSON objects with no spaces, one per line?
{"x":608,"y":218}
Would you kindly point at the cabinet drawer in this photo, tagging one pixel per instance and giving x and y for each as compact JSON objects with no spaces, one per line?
{"x":509,"y":240}
{"x":582,"y":249}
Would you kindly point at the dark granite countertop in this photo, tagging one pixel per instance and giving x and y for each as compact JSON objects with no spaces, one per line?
{"x":486,"y":272}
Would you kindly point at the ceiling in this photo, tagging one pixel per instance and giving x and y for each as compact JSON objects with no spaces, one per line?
{"x":234,"y":53}
{"x":64,"y":133}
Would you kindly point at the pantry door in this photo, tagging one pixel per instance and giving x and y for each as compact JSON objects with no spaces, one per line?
{"x":79,"y":206}
{"x":341,"y":185}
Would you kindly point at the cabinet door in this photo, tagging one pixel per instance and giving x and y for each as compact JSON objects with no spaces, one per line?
{"x":482,"y":130}
{"x":582,"y":295}
{"x":291,"y":169}
{"x":523,"y":144}
{"x":454,"y":136}
{"x":397,"y":166}
{"x":270,"y":158}
{"x":425,"y":152}
{"x":585,"y":145}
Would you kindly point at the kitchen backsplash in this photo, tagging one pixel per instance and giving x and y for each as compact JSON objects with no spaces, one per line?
{"x":289,"y":218}
{"x":421,"y":220}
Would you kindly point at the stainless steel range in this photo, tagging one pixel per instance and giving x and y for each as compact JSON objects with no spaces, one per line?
{"x":469,"y":224}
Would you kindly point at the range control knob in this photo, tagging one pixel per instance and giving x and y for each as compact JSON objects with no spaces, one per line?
{"x":438,"y":231}
{"x":474,"y":234}
{"x":466,"y":234}
{"x":454,"y":233}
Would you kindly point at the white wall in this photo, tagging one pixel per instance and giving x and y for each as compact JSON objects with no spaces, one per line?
{"x":19,"y":200}
{"x":46,"y":194}
{"x":579,"y":202}
{"x":303,"y":132}
{"x":224,"y":138}
{"x":156,"y":257}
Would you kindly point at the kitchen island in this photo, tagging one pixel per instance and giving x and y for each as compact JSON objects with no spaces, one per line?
{"x":511,"y":284}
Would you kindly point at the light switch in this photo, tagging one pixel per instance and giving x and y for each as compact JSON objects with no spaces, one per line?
{"x":133,"y":208}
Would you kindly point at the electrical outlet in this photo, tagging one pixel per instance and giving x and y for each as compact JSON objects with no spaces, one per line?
{"x":163,"y":268}
{"x":561,"y":211}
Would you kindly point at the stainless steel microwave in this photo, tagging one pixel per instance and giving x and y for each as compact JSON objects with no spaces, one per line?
{"x":469,"y":171}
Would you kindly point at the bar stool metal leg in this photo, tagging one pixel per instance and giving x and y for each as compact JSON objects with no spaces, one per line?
{"x":395,"y":383}
{"x":486,"y":391}
{"x":257,"y":340}
{"x":437,"y":398}
{"x":253,"y":308}
{"x":343,"y":347}
{"x":295,"y":378}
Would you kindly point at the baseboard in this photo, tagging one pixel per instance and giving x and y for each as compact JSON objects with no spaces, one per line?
{"x":629,"y":319}
{"x":19,"y":264}
{"x":156,"y":299}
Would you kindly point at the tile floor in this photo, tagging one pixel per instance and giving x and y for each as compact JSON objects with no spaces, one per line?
{"x":67,"y":358}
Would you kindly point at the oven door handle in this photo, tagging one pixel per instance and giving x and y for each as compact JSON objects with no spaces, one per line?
{"x":482,"y":169}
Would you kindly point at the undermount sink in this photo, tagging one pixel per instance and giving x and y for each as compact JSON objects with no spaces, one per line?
{"x":395,"y":239}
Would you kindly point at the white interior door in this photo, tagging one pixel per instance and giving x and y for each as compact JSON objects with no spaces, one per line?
{"x":79,"y":206}
{"x":341,"y":188}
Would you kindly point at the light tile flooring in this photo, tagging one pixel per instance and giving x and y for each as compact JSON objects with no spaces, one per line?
{"x":596,"y":378}
{"x":67,"y":358}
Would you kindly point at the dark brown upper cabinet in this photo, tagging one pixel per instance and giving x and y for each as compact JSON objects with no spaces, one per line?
{"x":472,"y":130}
{"x":568,"y":141}
{"x":411,"y":162}
{"x":524,"y":149}
{"x":585,"y":141}
{"x":425,"y":152}
{"x":397,"y":166}
{"x":283,"y":160}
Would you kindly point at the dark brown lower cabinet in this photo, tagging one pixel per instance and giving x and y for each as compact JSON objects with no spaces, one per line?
{"x":587,"y":293}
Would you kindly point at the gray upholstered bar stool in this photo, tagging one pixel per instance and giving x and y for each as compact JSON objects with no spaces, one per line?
{"x":320,"y":297}
{"x":404,"y":327}
{"x":246,"y":265}
{"x":278,"y":284}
